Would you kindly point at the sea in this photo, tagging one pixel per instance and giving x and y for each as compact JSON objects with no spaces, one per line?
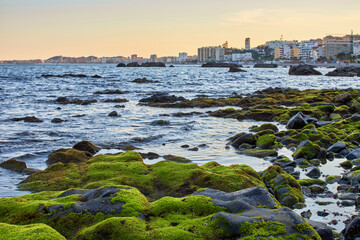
{"x":25,"y":92}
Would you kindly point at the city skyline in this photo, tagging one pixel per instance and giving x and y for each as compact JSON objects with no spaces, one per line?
{"x":42,"y":29}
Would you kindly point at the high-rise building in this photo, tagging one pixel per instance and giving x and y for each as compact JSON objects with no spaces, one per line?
{"x":211,"y":54}
{"x":247,"y":43}
{"x":133,"y":58}
{"x":153,"y":58}
{"x":182,"y":57}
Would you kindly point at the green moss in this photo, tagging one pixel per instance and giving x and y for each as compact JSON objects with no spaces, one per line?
{"x":266,"y":141}
{"x":308,"y":151}
{"x":32,"y":231}
{"x":265,"y":126}
{"x":260,"y":153}
{"x":179,"y":159}
{"x":311,"y":181}
{"x":262,"y":229}
{"x":115,"y":228}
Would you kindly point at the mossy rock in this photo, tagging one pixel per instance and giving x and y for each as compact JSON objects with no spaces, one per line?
{"x":178,"y":159}
{"x":13,"y":165}
{"x":266,"y":141}
{"x":69,"y":155}
{"x":31,"y":231}
{"x":286,"y":188}
{"x":116,"y":228}
{"x":265,"y":126}
{"x":260,"y":153}
{"x":86,"y":146}
{"x":311,"y":181}
{"x":157,"y":180}
{"x":307,"y":150}
{"x":333,"y":179}
{"x":346,"y":164}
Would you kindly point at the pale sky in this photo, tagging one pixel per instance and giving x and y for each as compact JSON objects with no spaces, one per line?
{"x":32,"y":29}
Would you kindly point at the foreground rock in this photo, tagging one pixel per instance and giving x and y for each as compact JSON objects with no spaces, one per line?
{"x":31,"y":231}
{"x":14,"y":165}
{"x":86,"y":146}
{"x":236,"y":69}
{"x":345,"y":72}
{"x":69,"y":155}
{"x":303,"y":70}
{"x":352,"y":229}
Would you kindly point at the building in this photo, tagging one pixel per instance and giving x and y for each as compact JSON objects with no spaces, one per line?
{"x":153,"y":58}
{"x":357,"y":48}
{"x":305,"y":49}
{"x":239,"y":57}
{"x":211,"y":54}
{"x":294,"y":53}
{"x":317,"y":52}
{"x":335,"y":45}
{"x":182,"y":57}
{"x":247,"y":43}
{"x":282,"y":52}
{"x":134,"y":58}
{"x":103,"y":60}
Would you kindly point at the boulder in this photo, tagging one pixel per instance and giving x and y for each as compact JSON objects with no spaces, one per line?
{"x":133,"y":64}
{"x":247,"y":138}
{"x":113,"y":114}
{"x":259,"y":153}
{"x":344,"y":72}
{"x":322,"y":229}
{"x":354,"y":154}
{"x":265,"y":65}
{"x":352,"y":229}
{"x":69,"y":155}
{"x":31,"y":119}
{"x":313,"y":172}
{"x":308,"y":150}
{"x":162,"y":98}
{"x":144,"y":80}
{"x":266,"y":141}
{"x":14,"y":165}
{"x":303,"y":70}
{"x":153,"y":64}
{"x":220,"y":65}
{"x":121,"y":65}
{"x":337,"y":147}
{"x":297,"y":121}
{"x":236,"y":69}
{"x":265,"y":126}
{"x":87,"y":147}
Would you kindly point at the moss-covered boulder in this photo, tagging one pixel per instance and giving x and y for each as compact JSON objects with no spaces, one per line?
{"x":86,"y":146}
{"x":287,"y":190}
{"x":29,"y":232}
{"x":13,"y":165}
{"x":266,"y":141}
{"x":259,"y":153}
{"x":69,"y":155}
{"x":307,"y":150}
{"x":157,"y":180}
{"x":265,"y":126}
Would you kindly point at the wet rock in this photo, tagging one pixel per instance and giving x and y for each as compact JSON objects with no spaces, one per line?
{"x":347,"y":203}
{"x":342,"y":99}
{"x":247,"y":138}
{"x":171,"y":66}
{"x":220,"y":65}
{"x":322,"y":123}
{"x":343,"y":153}
{"x":116,"y":100}
{"x":324,"y":231}
{"x":160,"y":122}
{"x":323,"y":213}
{"x":332,"y":179}
{"x":14,"y":165}
{"x":351,"y":71}
{"x":264,"y":65}
{"x":162,"y":98}
{"x":346,"y":164}
{"x":108,"y":91}
{"x":179,"y":159}
{"x":65,"y":100}
{"x":121,"y":65}
{"x":153,"y":64}
{"x":87,"y":147}
{"x":69,"y":155}
{"x":144,"y":80}
{"x":343,"y":188}
{"x":96,"y":76}
{"x":297,"y":121}
{"x":316,"y":189}
{"x":113,"y":114}
{"x":303,"y":70}
{"x":235,"y":69}
{"x":352,"y":230}
{"x":133,"y":64}
{"x":194,"y":149}
{"x":185,"y":146}
{"x":307,"y":150}
{"x":348,"y":196}
{"x":31,"y":119}
{"x":337,"y":147}
{"x":259,"y":153}
{"x":150,"y":155}
{"x":313,"y":172}
{"x":306,"y":214}
{"x":266,"y":141}
{"x":57,"y":120}
{"x":29,"y":171}
{"x":265,"y":126}
{"x":65,"y":75}
{"x":354,"y":154}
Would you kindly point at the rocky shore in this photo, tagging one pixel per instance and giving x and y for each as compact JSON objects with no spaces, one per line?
{"x":82,"y":195}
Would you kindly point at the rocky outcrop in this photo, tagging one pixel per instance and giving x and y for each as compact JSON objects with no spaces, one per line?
{"x":162,"y":98}
{"x":220,"y":65}
{"x":69,"y":75}
{"x":303,"y":70}
{"x":345,"y":72}
{"x":352,"y":229}
{"x":31,"y":119}
{"x":236,"y":69}
{"x":147,"y":64}
{"x":69,"y":155}
{"x":121,"y":65}
{"x":86,"y":146}
{"x":298,"y":121}
{"x":65,"y":100}
{"x":144,"y":80}
{"x":265,"y":65}
{"x":13,"y":165}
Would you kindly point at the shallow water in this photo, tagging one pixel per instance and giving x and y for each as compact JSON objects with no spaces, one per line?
{"x":25,"y":93}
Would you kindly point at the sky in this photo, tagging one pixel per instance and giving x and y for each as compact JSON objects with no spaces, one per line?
{"x":32,"y":29}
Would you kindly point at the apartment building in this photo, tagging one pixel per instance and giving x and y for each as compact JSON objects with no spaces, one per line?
{"x":211,"y":54}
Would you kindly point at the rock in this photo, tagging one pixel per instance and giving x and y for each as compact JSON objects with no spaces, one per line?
{"x":333,"y":179}
{"x":160,"y":122}
{"x":194,"y":149}
{"x":116,"y":100}
{"x":316,"y":188}
{"x":247,"y":138}
{"x":69,"y":155}
{"x":29,"y":171}
{"x":255,"y":196}
{"x":171,"y":66}
{"x":31,"y":119}
{"x":354,"y":154}
{"x":323,"y":213}
{"x":65,"y":75}
{"x":65,"y":100}
{"x":337,"y":147}
{"x":235,"y":69}
{"x":264,"y":65}
{"x":87,"y":147}
{"x":347,"y":203}
{"x":113,"y":114}
{"x":325,"y":232}
{"x":153,"y":64}
{"x":57,"y":120}
{"x":162,"y":98}
{"x":14,"y":165}
{"x":265,"y":126}
{"x":303,"y":70}
{"x":344,"y":72}
{"x":306,"y":214}
{"x":313,"y":172}
{"x":179,"y":159}
{"x":108,"y":91}
{"x":150,"y":155}
{"x":133,"y":64}
{"x":185,"y":146}
{"x":121,"y":65}
{"x":220,"y":65}
{"x":348,"y":196}
{"x":266,"y":141}
{"x":306,"y":149}
{"x":297,"y":121}
{"x":346,"y":164}
{"x":352,"y":229}
{"x":260,"y":153}
{"x":144,"y":80}
{"x":342,"y":99}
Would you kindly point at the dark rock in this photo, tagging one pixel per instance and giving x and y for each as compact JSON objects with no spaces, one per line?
{"x":113,"y":114}
{"x":29,"y":171}
{"x":14,"y":165}
{"x":171,"y":66}
{"x":313,"y":172}
{"x":297,"y":121}
{"x":153,"y":64}
{"x":344,"y":72}
{"x":322,"y":123}
{"x":235,"y":69}
{"x":354,"y":154}
{"x":247,"y":138}
{"x":194,"y":149}
{"x":220,"y":65}
{"x":150,"y":155}
{"x":96,"y":76}
{"x":185,"y":146}
{"x":303,"y":70}
{"x":87,"y":147}
{"x":69,"y":155}
{"x":346,"y":164}
{"x":144,"y":80}
{"x":65,"y":100}
{"x":306,"y":214}
{"x":323,"y":213}
{"x":174,"y":158}
{"x":133,"y":64}
{"x":322,"y":229}
{"x":57,"y":120}
{"x":337,"y":147}
{"x":32,"y":119}
{"x":121,"y":65}
{"x":316,"y":188}
{"x":352,"y":230}
{"x":160,"y":122}
{"x":116,"y":100}
{"x":265,"y":65}
{"x":162,"y":98}
{"x":119,"y":106}
{"x":65,"y":75}
{"x":355,"y":118}
{"x":108,"y":91}
{"x":342,"y":98}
